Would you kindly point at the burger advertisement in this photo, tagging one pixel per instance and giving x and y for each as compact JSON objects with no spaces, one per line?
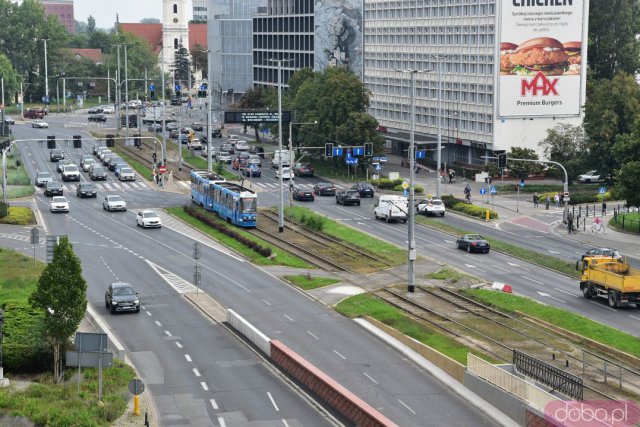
{"x":541,"y":58}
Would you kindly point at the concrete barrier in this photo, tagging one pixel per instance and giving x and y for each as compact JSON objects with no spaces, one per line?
{"x":326,"y":388}
{"x":249,"y":331}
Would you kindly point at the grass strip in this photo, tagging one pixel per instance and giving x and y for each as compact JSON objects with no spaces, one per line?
{"x":16,"y":192}
{"x":448,"y":274}
{"x":369,"y":305}
{"x":391,"y":253}
{"x":18,"y":275}
{"x":307,"y":282}
{"x":281,"y":257}
{"x":19,"y":215}
{"x":559,"y":317}
{"x":136,"y":165}
{"x":631,"y":222}
{"x":565,"y":267}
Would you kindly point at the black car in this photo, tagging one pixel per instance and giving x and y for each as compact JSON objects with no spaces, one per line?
{"x":53,"y":188}
{"x":174,"y":101}
{"x":98,"y":173}
{"x":8,"y":120}
{"x":171,"y":126}
{"x":301,"y":194}
{"x":473,"y":243}
{"x":86,"y":189}
{"x":97,"y":118}
{"x":95,"y":110}
{"x":364,"y":188}
{"x":113,"y":161}
{"x":216,"y":133}
{"x":197,"y":126}
{"x":121,"y":297}
{"x":56,"y":154}
{"x":348,"y":197}
{"x":324,"y":189}
{"x":174,"y":133}
{"x":256,"y":149}
{"x":155,"y":127}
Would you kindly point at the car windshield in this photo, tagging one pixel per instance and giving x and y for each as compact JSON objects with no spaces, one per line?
{"x":248,"y":205}
{"x":123,"y":291}
{"x":150,"y":215}
{"x":71,"y":168}
{"x":114,"y":198}
{"x":126,"y":170}
{"x":98,"y":170}
{"x":436,"y":202}
{"x":88,"y":186}
{"x":43,"y":174}
{"x":59,"y":200}
{"x":352,"y":193}
{"x":366,"y":186}
{"x":53,"y":184}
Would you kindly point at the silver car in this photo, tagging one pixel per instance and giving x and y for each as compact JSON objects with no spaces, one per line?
{"x":42,"y":178}
{"x":114,"y":203}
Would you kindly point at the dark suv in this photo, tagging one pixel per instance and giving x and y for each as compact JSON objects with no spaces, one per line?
{"x":53,"y":188}
{"x":348,"y":197}
{"x":86,"y":189}
{"x":121,"y":297}
{"x":97,"y":173}
{"x":364,"y":188}
{"x":56,"y":154}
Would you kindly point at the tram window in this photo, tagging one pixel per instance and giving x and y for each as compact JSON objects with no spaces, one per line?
{"x":248,"y":205}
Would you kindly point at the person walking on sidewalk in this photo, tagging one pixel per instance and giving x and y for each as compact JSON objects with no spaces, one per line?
{"x":604,"y":208}
{"x":556,"y":200}
{"x":170,"y":177}
{"x":467,"y":193}
{"x":535,"y":199}
{"x":570,"y":223}
{"x":547,"y":202}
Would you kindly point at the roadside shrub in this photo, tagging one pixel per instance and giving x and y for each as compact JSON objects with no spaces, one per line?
{"x":416,"y":189}
{"x":473,"y":210}
{"x":385,"y":183}
{"x":25,"y":348}
{"x":313,"y":222}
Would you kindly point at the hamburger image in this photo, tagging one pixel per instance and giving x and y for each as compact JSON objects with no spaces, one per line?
{"x":506,"y":50}
{"x":574,"y":50}
{"x":540,"y":54}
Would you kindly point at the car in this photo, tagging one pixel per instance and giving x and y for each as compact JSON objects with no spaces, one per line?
{"x":174,"y":133}
{"x":348,"y":197}
{"x":113,"y":161}
{"x":171,"y":126}
{"x":593,"y":176}
{"x":286,"y":173}
{"x":70,"y":173}
{"x":53,"y":188}
{"x":62,"y":163}
{"x":431,"y":207}
{"x":242,"y":145}
{"x":34,"y":114}
{"x":147,"y":219}
{"x":184,"y":138}
{"x":59,"y":204}
{"x":473,"y":243}
{"x":97,"y":118}
{"x":97,"y":172}
{"x":108,"y":109}
{"x":197,"y":126}
{"x":224,"y":156}
{"x":239,"y":163}
{"x":85,"y":157}
{"x":107,"y":158}
{"x":195,"y":144}
{"x":86,"y":164}
{"x":379,"y":159}
{"x":113,"y":202}
{"x":95,"y":110}
{"x":251,"y":171}
{"x":56,"y":154}
{"x":205,"y":151}
{"x":42,"y":178}
{"x":103,"y":153}
{"x":126,"y":174}
{"x":39,"y":124}
{"x":216,"y":133}
{"x":364,"y":188}
{"x":324,"y":189}
{"x":258,"y":150}
{"x":227,"y":147}
{"x":8,"y":120}
{"x":175,"y":101}
{"x":303,"y":169}
{"x":118,"y":167}
{"x":86,"y":189}
{"x":187,"y":131}
{"x":155,"y":127}
{"x":254,"y":159}
{"x":121,"y":297}
{"x":299,"y":193}
{"x":603,"y":252}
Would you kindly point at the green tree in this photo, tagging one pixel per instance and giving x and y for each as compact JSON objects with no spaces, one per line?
{"x":566,"y":144}
{"x":613,"y":47}
{"x":628,"y":182}
{"x":182,"y":64}
{"x":256,"y":98}
{"x":523,"y":169}
{"x":10,"y":76}
{"x":62,"y":295}
{"x":140,"y":58}
{"x":200,"y":60}
{"x":91,"y":24}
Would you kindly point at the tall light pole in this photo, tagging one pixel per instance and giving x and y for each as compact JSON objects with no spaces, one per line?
{"x":126,"y":91}
{"x":209,"y":107}
{"x":46,"y":72}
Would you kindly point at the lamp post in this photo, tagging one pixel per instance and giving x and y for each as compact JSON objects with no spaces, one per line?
{"x":46,"y":72}
{"x":281,"y":183}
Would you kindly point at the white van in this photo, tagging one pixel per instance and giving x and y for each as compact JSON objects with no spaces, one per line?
{"x":391,"y":207}
{"x":283,"y":156}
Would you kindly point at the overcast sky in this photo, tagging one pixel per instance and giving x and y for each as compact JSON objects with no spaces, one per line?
{"x":128,"y":10}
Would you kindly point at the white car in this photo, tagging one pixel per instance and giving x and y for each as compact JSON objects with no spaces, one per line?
{"x":204,"y":151}
{"x":286,"y":173}
{"x":146,"y":219}
{"x":59,"y":204}
{"x":126,"y":174}
{"x":108,"y":109}
{"x":242,"y":145}
{"x":195,"y":143}
{"x":254,"y":159}
{"x":70,"y":173}
{"x":224,"y":157}
{"x":591,"y":176}
{"x":86,"y":164}
{"x":39,"y":124}
{"x":113,"y":203}
{"x":431,"y":207}
{"x":42,"y":178}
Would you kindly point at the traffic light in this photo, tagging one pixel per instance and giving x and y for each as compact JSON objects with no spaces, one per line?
{"x":502,"y":160}
{"x":368,"y":149}
{"x":77,"y":141}
{"x":51,"y":142}
{"x":110,"y":141}
{"x":328,"y":150}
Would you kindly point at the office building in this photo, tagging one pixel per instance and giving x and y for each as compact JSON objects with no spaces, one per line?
{"x":200,"y":10}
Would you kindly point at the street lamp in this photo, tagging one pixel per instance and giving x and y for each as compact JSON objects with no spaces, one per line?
{"x":315,"y":122}
{"x":281,"y":183}
{"x":46,"y":72}
{"x":411,"y":274}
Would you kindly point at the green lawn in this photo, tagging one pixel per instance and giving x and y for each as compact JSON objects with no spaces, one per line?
{"x":559,"y":317}
{"x":16,"y":192}
{"x":629,"y":222}
{"x":369,"y":305}
{"x":18,"y":276}
{"x":19,"y":216}
{"x":281,"y":257}
{"x":308,"y":282}
{"x":448,"y":274}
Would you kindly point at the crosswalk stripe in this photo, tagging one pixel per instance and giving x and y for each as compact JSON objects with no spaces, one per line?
{"x":108,"y":186}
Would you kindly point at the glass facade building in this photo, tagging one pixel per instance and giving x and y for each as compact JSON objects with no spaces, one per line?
{"x":200,"y":10}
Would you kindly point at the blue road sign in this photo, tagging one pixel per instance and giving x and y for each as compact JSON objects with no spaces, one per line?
{"x":493,"y":190}
{"x":483,"y":191}
{"x":602,"y":190}
{"x":358,"y":151}
{"x":351,"y":161}
{"x":337,"y":151}
{"x":378,"y":167}
{"x":521,"y":184}
{"x":178,"y":87}
{"x":152,"y":87}
{"x":421,"y":154}
{"x":405,"y":193}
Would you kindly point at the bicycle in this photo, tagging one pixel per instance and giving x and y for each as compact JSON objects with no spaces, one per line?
{"x":598,"y":227}
{"x":468,"y":197}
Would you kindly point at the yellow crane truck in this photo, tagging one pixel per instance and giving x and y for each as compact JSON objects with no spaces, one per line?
{"x":609,"y":278}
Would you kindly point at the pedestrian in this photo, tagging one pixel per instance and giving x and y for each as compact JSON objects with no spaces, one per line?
{"x":170,"y":177}
{"x":556,"y":200}
{"x":535,"y":199}
{"x":158,"y":175}
{"x":604,"y":208}
{"x":562,"y":198}
{"x":450,"y":176}
{"x":570,"y":222}
{"x":547,"y":201}
{"x":153,"y":177}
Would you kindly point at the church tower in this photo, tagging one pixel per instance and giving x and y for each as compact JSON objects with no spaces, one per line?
{"x":175,"y":30}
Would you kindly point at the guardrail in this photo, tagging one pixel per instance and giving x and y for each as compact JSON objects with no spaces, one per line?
{"x":249,"y":331}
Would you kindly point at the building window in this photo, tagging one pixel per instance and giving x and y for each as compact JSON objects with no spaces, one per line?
{"x":175,"y":8}
{"x":175,"y":43}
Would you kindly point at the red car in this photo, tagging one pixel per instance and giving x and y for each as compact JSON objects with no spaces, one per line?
{"x":34,"y":114}
{"x":303,"y":169}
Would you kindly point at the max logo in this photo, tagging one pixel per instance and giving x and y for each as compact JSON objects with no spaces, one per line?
{"x":539,"y":85}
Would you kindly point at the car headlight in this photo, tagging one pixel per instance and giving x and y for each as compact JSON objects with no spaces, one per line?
{"x":114,"y":302}
{"x":136,"y":302}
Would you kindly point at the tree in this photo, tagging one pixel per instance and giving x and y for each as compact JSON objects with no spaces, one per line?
{"x":182,"y":64}
{"x":10,"y":77}
{"x":628,"y":182}
{"x":200,"y":60}
{"x":62,"y":295}
{"x":91,"y":24}
{"x":523,"y":169}
{"x":613,"y":47}
{"x":566,"y":144}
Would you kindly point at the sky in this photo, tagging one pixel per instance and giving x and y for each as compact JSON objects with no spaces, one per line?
{"x":127,"y":10}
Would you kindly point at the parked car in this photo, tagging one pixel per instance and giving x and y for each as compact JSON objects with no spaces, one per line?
{"x":431,"y":207}
{"x":147,"y":218}
{"x":62,"y":163}
{"x":95,"y":110}
{"x":242,"y":145}
{"x":8,"y":120}
{"x":593,"y":176}
{"x":299,"y":193}
{"x":364,"y":188}
{"x":97,"y":172}
{"x":97,"y":118}
{"x":42,"y":178}
{"x":286,"y":173}
{"x":126,"y":174}
{"x":324,"y":189}
{"x":59,"y":204}
{"x":348,"y":197}
{"x":53,"y":188}
{"x":56,"y":154}
{"x":303,"y":169}
{"x":121,"y":297}
{"x":603,"y":252}
{"x":251,"y":171}
{"x":70,"y":173}
{"x":197,"y":126}
{"x":473,"y":243}
{"x":39,"y":124}
{"x":114,"y":202}
{"x":86,"y":189}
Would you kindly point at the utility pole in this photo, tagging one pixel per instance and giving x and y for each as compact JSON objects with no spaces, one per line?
{"x":46,"y":72}
{"x":118,"y":100}
{"x":126,"y":93}
{"x":439,"y":148}
{"x":209,"y":107}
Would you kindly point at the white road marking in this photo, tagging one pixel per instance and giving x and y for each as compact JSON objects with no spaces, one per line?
{"x":285,"y":422}
{"x":470,"y":266}
{"x":370,"y":377}
{"x":273,"y":402}
{"x":500,"y":268}
{"x":449,"y":241}
{"x":553,"y":252}
{"x":221,"y":421}
{"x":213,"y":403}
{"x":407,"y":406}
{"x":513,"y":264}
{"x":313,"y":335}
{"x":566,"y":292}
{"x":204,"y":385}
{"x":532,"y":280}
{"x":178,"y":344}
{"x":159,"y":324}
{"x":148,"y":313}
{"x":339,"y":355}
{"x":104,"y":327}
{"x":288,"y":317}
{"x":196,"y":372}
{"x":634,"y":317}
{"x":168,"y":333}
{"x":186,"y":356}
{"x":545,"y":295}
{"x":266,"y":302}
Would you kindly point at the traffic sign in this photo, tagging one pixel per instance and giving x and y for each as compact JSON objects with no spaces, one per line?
{"x":421,"y":154}
{"x":483,"y":191}
{"x":136,"y":386}
{"x":152,"y":87}
{"x":602,"y":190}
{"x":378,"y":166}
{"x":351,"y":161}
{"x":493,"y":190}
{"x":162,"y":169}
{"x":358,"y":151}
{"x":178,"y":87}
{"x":405,"y":185}
{"x":337,"y":151}
{"x":405,"y":193}
{"x":521,"y":184}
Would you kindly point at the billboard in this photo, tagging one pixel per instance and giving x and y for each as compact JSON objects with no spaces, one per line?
{"x":542,"y":54}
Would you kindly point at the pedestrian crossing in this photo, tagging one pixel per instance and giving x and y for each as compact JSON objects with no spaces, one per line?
{"x":269,"y":185}
{"x":112,"y":186}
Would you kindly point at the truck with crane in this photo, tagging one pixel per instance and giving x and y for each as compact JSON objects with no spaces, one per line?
{"x":610,"y":278}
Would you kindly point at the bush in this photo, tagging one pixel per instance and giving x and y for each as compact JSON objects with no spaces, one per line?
{"x":459,"y":205}
{"x":385,"y":183}
{"x":25,"y":347}
{"x":4,"y":210}
{"x":313,"y":222}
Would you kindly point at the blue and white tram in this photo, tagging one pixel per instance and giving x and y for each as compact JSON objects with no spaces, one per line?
{"x":232,"y":202}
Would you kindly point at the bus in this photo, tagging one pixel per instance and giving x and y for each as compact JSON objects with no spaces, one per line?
{"x":232,"y":202}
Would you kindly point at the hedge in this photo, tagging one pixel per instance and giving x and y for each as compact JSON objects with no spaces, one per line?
{"x":25,"y":347}
{"x":393,"y":184}
{"x":459,"y":205}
